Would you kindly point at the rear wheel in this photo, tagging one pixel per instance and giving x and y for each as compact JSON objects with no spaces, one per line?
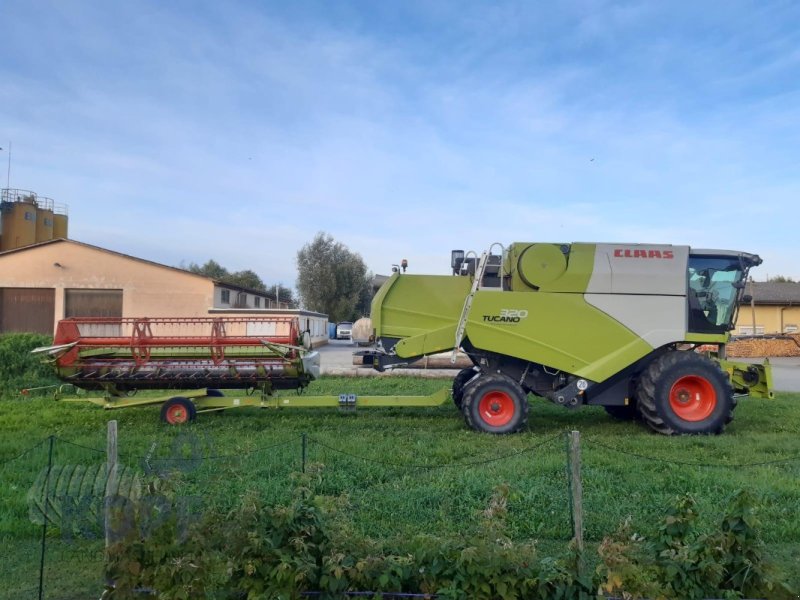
{"x":495,"y":404}
{"x":685,"y":392}
{"x":178,"y":410}
{"x":459,"y":382}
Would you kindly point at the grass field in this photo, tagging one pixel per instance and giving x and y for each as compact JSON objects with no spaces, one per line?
{"x":408,"y":471}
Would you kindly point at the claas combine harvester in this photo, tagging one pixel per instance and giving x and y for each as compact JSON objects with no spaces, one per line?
{"x":616,"y":325}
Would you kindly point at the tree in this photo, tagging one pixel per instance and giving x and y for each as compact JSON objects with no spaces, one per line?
{"x":331,"y":279}
{"x":211,"y":269}
{"x":282,"y":293}
{"x":246,"y":279}
{"x":781,"y":279}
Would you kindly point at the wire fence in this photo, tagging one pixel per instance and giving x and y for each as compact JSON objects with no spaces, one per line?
{"x":52,"y":495}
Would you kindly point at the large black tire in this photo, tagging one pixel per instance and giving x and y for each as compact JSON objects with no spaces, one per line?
{"x":495,"y":404}
{"x":629,"y":412}
{"x":459,"y":382}
{"x":685,"y":392}
{"x":178,"y":410}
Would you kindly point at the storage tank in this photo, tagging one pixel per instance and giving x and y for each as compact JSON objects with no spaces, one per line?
{"x":44,"y":219}
{"x":18,"y":213}
{"x":60,"y":222}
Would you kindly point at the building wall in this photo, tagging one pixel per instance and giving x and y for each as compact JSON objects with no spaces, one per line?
{"x":769,"y":319}
{"x":249,"y":299}
{"x":147,"y":289}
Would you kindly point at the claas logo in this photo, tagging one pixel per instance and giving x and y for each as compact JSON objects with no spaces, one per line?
{"x":628,"y":253}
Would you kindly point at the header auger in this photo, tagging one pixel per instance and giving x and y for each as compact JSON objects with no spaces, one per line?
{"x":614,"y":325}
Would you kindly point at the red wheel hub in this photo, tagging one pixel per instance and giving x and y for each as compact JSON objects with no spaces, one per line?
{"x":692,"y":398}
{"x":177,"y":414}
{"x":497,"y":408}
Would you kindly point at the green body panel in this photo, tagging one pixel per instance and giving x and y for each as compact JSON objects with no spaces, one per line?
{"x":707,"y":338}
{"x":430,"y":342}
{"x":737,"y":370}
{"x":580,"y":264}
{"x":561,"y":331}
{"x":411,"y":305}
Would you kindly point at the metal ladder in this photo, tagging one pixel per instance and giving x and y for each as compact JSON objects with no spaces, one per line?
{"x":462,"y":322}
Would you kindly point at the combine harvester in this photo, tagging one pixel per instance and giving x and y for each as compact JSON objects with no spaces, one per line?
{"x":203,"y":356}
{"x":621,"y":326}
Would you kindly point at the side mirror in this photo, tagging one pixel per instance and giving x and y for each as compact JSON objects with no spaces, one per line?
{"x":747,"y":299}
{"x":456,"y":259}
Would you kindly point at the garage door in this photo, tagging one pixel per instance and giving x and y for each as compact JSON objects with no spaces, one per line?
{"x":27,"y":310}
{"x":92,"y":303}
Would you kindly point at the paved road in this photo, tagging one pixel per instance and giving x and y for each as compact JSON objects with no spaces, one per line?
{"x":337,"y":357}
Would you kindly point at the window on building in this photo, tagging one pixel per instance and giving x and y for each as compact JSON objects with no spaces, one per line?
{"x":241,"y":300}
{"x":92,"y":303}
{"x":226,"y":296}
{"x":791,"y":328}
{"x":257,"y":301}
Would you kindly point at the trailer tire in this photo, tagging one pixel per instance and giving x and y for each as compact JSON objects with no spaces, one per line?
{"x":683,"y":392}
{"x":495,"y":404}
{"x":178,"y":410}
{"x":460,"y":380}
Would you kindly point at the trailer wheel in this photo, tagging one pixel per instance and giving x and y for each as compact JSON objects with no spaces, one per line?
{"x":178,"y":410}
{"x":459,"y":382}
{"x":495,"y":404}
{"x":685,"y":392}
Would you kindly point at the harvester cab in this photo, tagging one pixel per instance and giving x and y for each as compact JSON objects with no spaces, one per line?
{"x":615,"y":325}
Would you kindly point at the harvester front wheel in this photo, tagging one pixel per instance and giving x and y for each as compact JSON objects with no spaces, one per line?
{"x":459,"y":382}
{"x":177,"y":411}
{"x":685,"y":392}
{"x":495,"y":404}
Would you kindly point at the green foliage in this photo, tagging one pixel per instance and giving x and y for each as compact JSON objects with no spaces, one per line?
{"x":210,"y":269}
{"x":781,"y":279}
{"x":19,"y":369}
{"x":261,"y":551}
{"x":684,"y":563}
{"x":331,"y":279}
{"x":246,"y":279}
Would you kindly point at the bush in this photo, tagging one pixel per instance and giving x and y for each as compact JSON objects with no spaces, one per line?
{"x":258,"y":551}
{"x":19,"y":369}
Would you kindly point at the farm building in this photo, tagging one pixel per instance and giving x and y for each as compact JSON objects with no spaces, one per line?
{"x":775,"y":309}
{"x":45,"y":282}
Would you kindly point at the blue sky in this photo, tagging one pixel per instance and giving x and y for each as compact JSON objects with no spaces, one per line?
{"x":183,"y":131}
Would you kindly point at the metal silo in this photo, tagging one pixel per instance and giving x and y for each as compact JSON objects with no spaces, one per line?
{"x":18,"y":213}
{"x":60,"y":221}
{"x":44,"y":219}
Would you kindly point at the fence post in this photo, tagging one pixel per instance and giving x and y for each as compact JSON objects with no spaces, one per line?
{"x":111,"y":478}
{"x":576,"y":487}
{"x":44,"y":525}
{"x":304,"y":451}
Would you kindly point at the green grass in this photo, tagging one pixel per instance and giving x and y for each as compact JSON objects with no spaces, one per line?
{"x":408,"y":471}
